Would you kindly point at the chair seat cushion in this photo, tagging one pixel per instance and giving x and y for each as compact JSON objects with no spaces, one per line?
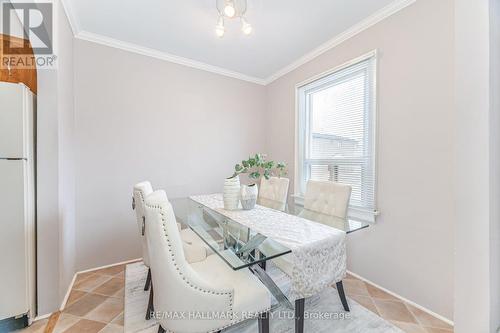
{"x":195,"y":249}
{"x":192,"y":238}
{"x":250,"y":295}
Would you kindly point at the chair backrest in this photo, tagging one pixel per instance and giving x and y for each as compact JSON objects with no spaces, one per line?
{"x":273,"y":192}
{"x":141,"y":191}
{"x":328,"y":198}
{"x":177,"y":287}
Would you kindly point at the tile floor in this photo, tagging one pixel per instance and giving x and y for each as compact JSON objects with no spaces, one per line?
{"x":96,"y":303}
{"x":405,"y":316}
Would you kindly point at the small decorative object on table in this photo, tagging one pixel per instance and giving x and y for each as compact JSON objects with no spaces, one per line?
{"x":231,"y":195}
{"x":256,"y":167}
{"x":249,"y":195}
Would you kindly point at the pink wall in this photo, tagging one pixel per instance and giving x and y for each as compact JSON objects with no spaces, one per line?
{"x":140,"y":118}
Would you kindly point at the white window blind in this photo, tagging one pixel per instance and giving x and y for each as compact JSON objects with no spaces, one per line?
{"x":337,"y":132}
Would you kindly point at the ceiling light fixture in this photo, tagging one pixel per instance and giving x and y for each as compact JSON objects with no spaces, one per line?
{"x":246,"y":27}
{"x":232,"y":9}
{"x":229,"y":10}
{"x":219,"y":28}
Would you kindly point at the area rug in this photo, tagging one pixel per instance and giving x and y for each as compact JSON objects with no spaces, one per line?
{"x":325,"y":312}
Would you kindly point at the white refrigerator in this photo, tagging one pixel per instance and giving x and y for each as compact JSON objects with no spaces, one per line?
{"x":17,"y":202}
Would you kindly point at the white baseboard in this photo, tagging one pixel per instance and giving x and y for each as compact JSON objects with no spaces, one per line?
{"x":106,"y":266}
{"x":63,"y":304}
{"x":418,"y":306}
{"x":45,"y":316}
{"x":65,"y":300}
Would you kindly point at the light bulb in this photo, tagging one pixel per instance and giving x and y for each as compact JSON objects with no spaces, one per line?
{"x":229,"y":10}
{"x":246,"y":27}
{"x":219,"y":29}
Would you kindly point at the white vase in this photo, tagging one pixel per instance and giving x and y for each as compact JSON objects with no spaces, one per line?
{"x":249,"y":195}
{"x":231,"y":194}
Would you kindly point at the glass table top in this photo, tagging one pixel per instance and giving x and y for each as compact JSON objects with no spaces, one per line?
{"x":240,"y":246}
{"x":237,"y":245}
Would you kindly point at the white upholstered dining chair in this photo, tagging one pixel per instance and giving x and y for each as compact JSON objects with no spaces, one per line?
{"x":322,"y":200}
{"x":328,"y":198}
{"x":273,"y":192}
{"x":209,"y":287}
{"x":194,"y":248}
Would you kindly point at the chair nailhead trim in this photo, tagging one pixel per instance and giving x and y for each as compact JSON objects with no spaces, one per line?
{"x":189,"y":283}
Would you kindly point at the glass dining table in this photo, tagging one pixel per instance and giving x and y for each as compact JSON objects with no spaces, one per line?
{"x":242,"y":247}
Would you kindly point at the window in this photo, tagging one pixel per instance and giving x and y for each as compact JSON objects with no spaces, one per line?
{"x":336,"y":124}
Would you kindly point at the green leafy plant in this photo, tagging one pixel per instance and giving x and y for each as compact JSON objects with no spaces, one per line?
{"x":257,"y":166}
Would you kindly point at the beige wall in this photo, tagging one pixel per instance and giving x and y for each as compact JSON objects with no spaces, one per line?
{"x":66,"y":135}
{"x":55,"y":178}
{"x":477,"y":153}
{"x":410,"y":249}
{"x":494,"y":112}
{"x":47,"y":194}
{"x":140,"y":118}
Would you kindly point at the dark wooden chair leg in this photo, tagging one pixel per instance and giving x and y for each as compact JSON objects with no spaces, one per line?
{"x":148,"y":280}
{"x":161,"y":329}
{"x":299,"y":315}
{"x":343,"y":299}
{"x":150,"y":305}
{"x":264,"y":322}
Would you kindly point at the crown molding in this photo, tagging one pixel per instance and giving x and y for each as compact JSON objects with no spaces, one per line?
{"x":111,"y":42}
{"x":370,"y":21}
{"x":107,"y":41}
{"x":72,"y":18}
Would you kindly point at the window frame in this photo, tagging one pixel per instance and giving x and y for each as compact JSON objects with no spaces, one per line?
{"x":302,"y":140}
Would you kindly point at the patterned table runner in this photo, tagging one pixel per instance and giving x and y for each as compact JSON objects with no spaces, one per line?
{"x":318,"y":255}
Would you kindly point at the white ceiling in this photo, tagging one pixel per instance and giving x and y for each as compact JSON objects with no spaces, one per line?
{"x":284,"y":30}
